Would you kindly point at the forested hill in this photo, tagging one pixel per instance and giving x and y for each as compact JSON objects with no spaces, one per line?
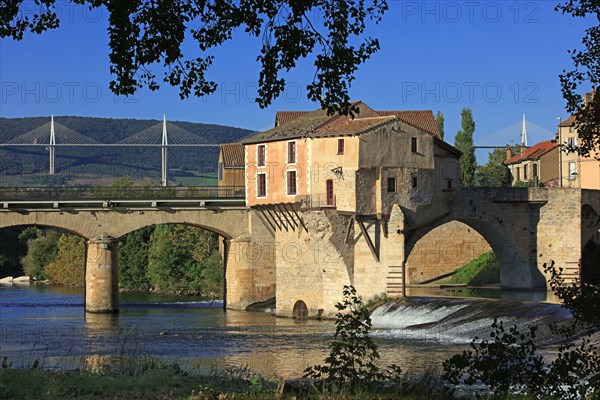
{"x":76,"y":163}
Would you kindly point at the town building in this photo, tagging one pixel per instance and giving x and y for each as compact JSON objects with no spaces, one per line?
{"x":537,"y":164}
{"x":577,"y":171}
{"x":359,"y":165}
{"x":230,"y":171}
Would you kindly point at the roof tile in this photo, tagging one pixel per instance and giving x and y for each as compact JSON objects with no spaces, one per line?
{"x":533,"y":153}
{"x":233,"y":155}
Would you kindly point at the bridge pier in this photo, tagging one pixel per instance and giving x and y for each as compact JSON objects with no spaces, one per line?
{"x":101,"y":275}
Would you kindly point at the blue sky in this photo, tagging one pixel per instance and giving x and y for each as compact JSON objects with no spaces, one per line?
{"x":500,"y":58}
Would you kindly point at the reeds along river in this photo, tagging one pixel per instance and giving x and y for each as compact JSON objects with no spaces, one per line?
{"x":49,"y":325}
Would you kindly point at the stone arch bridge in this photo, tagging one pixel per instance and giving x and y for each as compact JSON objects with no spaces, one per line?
{"x":525,"y":227}
{"x":308,"y":254}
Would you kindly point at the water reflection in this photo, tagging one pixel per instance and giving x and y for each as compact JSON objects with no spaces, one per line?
{"x":485,"y":292}
{"x":49,"y":324}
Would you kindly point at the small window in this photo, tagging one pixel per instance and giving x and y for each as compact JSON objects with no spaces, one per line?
{"x":340,"y":146}
{"x":571,"y":129}
{"x":413,"y":144}
{"x":572,"y":171}
{"x":518,"y":174}
{"x":449,"y":184}
{"x":415,"y":182}
{"x":261,"y":182}
{"x":535,"y":170}
{"x":391,"y":185}
{"x":220,"y":173}
{"x":261,"y":156}
{"x":525,"y":172}
{"x":291,"y":183}
{"x":291,"y":151}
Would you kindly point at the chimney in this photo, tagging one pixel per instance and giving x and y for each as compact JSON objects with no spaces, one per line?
{"x":509,"y":152}
{"x":589,"y":97}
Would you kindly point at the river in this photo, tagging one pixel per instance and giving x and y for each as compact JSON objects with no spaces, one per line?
{"x":48,"y":325}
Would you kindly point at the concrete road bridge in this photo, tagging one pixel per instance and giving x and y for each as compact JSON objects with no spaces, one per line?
{"x":302,"y":255}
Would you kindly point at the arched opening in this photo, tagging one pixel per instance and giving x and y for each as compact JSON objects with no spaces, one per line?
{"x":514,"y":270}
{"x":590,"y":253}
{"x":300,"y":310}
{"x":443,"y":254}
{"x":174,"y":259}
{"x":43,"y":253}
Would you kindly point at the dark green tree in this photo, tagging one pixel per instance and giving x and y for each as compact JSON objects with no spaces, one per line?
{"x":178,"y":257}
{"x":464,"y":142}
{"x":144,"y":34}
{"x":41,"y":251}
{"x":68,"y":267}
{"x":586,"y":74}
{"x":351,"y":361}
{"x":494,"y":173}
{"x":133,"y":260}
{"x":439,"y":120}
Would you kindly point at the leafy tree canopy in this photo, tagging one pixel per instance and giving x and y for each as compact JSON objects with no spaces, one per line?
{"x":494,"y":172}
{"x":143,"y":34}
{"x":586,"y":73}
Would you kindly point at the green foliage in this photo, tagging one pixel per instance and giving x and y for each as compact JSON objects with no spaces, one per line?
{"x":178,"y":257}
{"x":133,"y":260}
{"x":494,"y":173}
{"x":351,"y":361}
{"x":586,"y":74}
{"x":483,"y":270}
{"x":507,"y":361}
{"x":464,"y":142}
{"x":529,"y":183}
{"x":42,"y":249}
{"x":144,"y":34}
{"x":68,"y":267}
{"x":439,"y":120}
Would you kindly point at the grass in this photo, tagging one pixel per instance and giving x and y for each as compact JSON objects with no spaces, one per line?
{"x":481,"y":271}
{"x":170,"y":382}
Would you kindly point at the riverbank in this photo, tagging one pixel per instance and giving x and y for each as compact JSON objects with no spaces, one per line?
{"x":170,"y":382}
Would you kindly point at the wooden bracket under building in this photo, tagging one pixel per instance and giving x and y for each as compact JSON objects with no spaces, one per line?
{"x":364,"y":232}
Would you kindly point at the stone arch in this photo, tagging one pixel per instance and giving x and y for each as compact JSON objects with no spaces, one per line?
{"x":590,"y":223}
{"x":515,"y":271}
{"x":67,"y":228}
{"x":300,"y":311}
{"x":116,"y":223}
{"x":442,"y":250}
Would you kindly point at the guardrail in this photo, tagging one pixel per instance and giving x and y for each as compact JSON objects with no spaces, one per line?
{"x":129,"y":193}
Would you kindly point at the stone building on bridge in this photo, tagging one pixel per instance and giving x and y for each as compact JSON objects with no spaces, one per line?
{"x":331,"y":190}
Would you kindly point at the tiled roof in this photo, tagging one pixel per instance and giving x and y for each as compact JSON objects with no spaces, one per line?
{"x":293,"y":124}
{"x":353,"y":126}
{"x":533,"y":153}
{"x":233,"y":155}
{"x":283,"y":117}
{"x":568,"y":122}
{"x":422,"y":119}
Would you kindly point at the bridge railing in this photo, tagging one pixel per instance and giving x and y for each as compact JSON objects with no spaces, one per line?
{"x":128,"y":193}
